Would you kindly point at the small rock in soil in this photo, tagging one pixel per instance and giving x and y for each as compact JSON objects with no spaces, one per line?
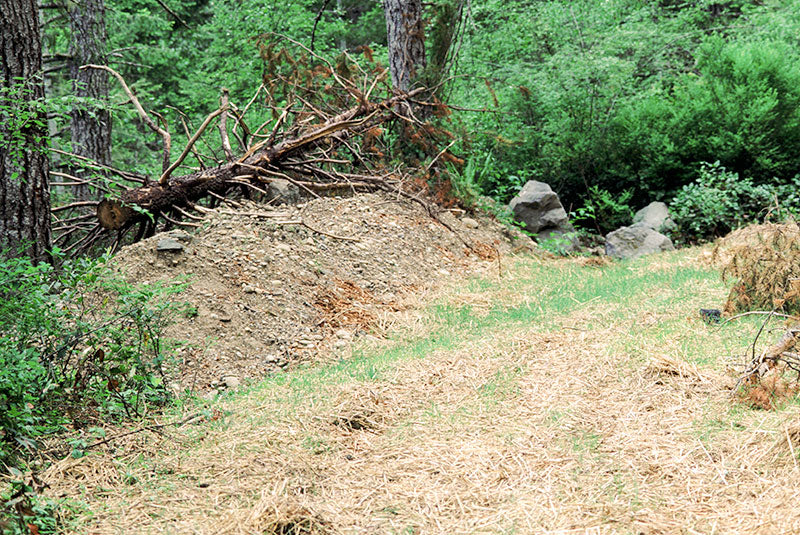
{"x":231,"y":381}
{"x":180,"y":235}
{"x":169,"y":244}
{"x":469,"y":222}
{"x":344,"y":334}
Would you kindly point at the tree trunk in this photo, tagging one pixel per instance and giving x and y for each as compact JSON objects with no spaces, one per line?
{"x":24,"y":179}
{"x":406,"y":40}
{"x":90,"y":122}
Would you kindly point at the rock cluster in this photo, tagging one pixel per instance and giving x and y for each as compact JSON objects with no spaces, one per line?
{"x":541,"y":213}
{"x":644,"y":236}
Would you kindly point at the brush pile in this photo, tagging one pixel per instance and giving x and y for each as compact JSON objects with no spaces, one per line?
{"x":327,"y":127}
{"x":764,"y":263}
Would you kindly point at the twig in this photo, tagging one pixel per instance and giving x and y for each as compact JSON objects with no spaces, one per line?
{"x":145,"y":428}
{"x":192,"y":141}
{"x":427,"y":168}
{"x":316,"y":21}
{"x":755,"y":312}
{"x":710,"y":458}
{"x":791,"y":448}
{"x":760,"y":331}
{"x":73,"y":205}
{"x":312,"y":229}
{"x":143,"y":114}
{"x":175,"y":15}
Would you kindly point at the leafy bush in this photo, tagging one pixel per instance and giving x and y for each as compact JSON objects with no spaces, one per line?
{"x":23,"y":511}
{"x":718,"y":202}
{"x":604,"y":211}
{"x":77,"y":344}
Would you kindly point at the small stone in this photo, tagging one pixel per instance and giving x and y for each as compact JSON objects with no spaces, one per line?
{"x":249,"y":289}
{"x":231,"y":381}
{"x":339,"y":344}
{"x":283,"y":247}
{"x":469,"y":222}
{"x":169,"y":245}
{"x":272,"y":358}
{"x":344,"y":334}
{"x":225,"y":318}
{"x":211,"y":395}
{"x":180,"y":235}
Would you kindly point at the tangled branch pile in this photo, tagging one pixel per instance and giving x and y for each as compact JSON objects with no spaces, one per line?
{"x":326,"y":130}
{"x":764,"y":263}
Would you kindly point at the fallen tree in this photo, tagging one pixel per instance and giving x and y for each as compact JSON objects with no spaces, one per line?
{"x":268,"y":161}
{"x":325,"y":135}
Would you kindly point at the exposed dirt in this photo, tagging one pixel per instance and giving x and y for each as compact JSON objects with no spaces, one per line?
{"x":273,"y":286}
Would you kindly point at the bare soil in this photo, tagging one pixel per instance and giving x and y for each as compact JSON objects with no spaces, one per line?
{"x":274,"y":286}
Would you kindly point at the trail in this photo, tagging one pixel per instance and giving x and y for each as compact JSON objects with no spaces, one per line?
{"x":562,"y":398}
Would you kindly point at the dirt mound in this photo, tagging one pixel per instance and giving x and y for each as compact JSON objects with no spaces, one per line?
{"x":272,"y":286}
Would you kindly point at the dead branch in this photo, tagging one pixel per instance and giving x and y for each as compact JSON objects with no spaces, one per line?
{"x":165,"y":176}
{"x":143,"y":114}
{"x":223,"y":128}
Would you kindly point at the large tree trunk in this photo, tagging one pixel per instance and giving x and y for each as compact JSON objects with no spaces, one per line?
{"x":24,"y":179}
{"x":90,"y":124}
{"x":406,"y":40}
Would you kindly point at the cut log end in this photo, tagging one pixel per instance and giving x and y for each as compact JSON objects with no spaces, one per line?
{"x":113,"y":215}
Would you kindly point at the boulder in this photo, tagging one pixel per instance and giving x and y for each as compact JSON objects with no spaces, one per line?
{"x":656,"y":216}
{"x":538,"y":208}
{"x":283,"y":192}
{"x":635,"y":241}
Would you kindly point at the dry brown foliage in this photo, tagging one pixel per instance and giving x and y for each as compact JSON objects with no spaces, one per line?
{"x":764,"y":262}
{"x":347,"y":305}
{"x":769,"y":392}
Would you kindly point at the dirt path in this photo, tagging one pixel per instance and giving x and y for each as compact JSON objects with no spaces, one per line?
{"x":561,"y":399}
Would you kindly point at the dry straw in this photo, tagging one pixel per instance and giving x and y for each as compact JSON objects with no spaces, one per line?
{"x":764,"y":263}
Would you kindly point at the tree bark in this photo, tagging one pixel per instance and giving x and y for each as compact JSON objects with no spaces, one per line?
{"x":24,"y":178}
{"x":90,"y":123}
{"x":406,"y":41}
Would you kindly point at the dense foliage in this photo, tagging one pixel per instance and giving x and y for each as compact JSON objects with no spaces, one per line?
{"x":621,"y":96}
{"x":78,"y":345}
{"x":632,"y":95}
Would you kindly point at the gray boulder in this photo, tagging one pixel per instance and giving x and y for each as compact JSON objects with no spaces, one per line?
{"x":635,"y":241}
{"x":283,"y":192}
{"x":656,"y":216}
{"x":538,"y":208}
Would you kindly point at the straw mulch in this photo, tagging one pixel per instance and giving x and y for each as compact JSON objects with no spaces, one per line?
{"x":587,"y":427}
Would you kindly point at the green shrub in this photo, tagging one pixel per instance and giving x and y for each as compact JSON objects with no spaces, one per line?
{"x":604,"y":211}
{"x":78,"y":344}
{"x":718,"y":202}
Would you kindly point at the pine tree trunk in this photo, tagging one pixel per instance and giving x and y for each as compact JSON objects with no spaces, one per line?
{"x":90,"y":124}
{"x":24,"y":179}
{"x":406,"y":40}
